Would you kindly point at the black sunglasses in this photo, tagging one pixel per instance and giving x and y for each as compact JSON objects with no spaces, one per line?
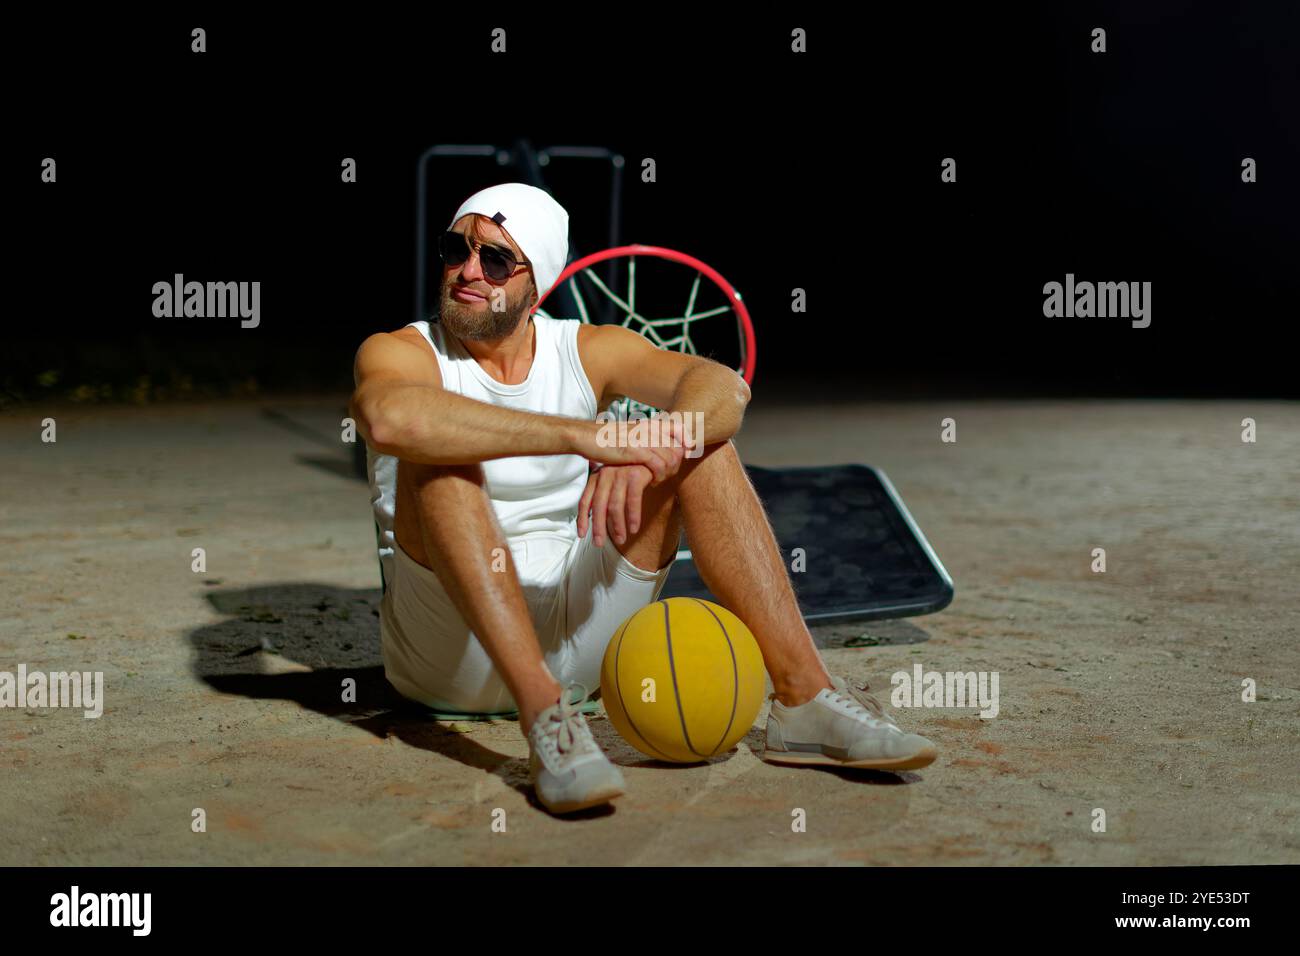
{"x":498,"y":264}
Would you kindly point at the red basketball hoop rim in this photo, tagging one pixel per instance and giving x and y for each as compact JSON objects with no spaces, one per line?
{"x":660,"y":252}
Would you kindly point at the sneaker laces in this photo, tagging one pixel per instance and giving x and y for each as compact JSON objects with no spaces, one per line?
{"x":564,"y":727}
{"x":857,"y":698}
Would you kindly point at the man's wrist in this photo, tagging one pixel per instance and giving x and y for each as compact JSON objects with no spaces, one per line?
{"x":564,"y":439}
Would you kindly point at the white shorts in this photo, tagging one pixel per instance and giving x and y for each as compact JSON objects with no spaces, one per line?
{"x":577,"y":594}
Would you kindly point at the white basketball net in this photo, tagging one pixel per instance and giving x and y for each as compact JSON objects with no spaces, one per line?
{"x":670,"y":332}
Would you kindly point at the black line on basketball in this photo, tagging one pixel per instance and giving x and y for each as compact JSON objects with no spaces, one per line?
{"x":735,"y":672}
{"x":672,"y":669}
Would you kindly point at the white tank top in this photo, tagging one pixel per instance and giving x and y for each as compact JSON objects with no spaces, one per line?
{"x":534,"y":496}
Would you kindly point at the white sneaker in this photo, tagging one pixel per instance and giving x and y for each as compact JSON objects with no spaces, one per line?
{"x":843,"y":727}
{"x":567,"y":768}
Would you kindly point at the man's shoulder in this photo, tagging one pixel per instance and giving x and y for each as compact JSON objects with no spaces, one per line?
{"x":405,"y":349}
{"x":600,"y":336}
{"x":407,"y":335}
{"x":412,"y":334}
{"x":592,"y":344}
{"x":608,"y":340}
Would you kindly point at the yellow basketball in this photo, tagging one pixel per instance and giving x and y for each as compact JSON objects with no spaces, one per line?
{"x":682,"y":680}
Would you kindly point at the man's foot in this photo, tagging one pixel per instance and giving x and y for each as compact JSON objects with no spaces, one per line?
{"x":843,"y":727}
{"x":566,"y":766}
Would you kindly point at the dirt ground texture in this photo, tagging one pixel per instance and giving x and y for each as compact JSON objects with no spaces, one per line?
{"x":1120,"y":691}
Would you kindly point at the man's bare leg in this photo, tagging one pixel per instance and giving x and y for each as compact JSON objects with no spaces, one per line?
{"x":444,"y":520}
{"x":735,"y":549}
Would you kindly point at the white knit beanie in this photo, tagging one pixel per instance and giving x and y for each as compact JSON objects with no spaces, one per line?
{"x":537,"y":223}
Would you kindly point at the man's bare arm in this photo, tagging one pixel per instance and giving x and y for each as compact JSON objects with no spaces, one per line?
{"x":622,"y":362}
{"x":402,"y":409}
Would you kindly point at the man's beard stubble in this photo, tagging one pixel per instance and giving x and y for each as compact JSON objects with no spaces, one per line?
{"x":480,"y":323}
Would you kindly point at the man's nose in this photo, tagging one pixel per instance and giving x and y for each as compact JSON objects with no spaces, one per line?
{"x":471,"y":269}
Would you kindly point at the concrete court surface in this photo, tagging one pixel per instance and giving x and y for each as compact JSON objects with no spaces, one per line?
{"x":1120,"y":691}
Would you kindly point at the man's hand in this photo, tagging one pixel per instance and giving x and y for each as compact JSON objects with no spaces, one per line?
{"x":658,"y":448}
{"x":613,"y":496}
{"x":613,"y":500}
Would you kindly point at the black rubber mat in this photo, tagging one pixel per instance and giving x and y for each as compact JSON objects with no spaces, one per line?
{"x":864,"y":557}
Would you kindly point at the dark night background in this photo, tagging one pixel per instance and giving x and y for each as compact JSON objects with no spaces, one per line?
{"x":819,"y":171}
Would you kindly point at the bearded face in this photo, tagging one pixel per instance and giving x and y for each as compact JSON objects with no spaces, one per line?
{"x":482,"y":312}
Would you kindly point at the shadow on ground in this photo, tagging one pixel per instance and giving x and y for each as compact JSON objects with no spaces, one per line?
{"x":302,"y":642}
